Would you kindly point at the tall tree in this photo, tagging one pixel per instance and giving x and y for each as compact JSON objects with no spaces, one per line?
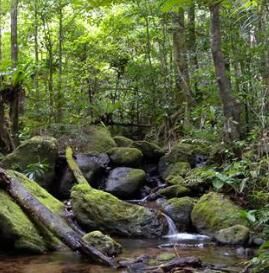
{"x":231,"y":106}
{"x":14,"y":32}
{"x":184,"y":94}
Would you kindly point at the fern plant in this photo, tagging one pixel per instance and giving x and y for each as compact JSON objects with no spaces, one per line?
{"x":35,"y":171}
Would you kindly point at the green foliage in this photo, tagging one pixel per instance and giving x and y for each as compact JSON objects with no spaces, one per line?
{"x":35,"y":171}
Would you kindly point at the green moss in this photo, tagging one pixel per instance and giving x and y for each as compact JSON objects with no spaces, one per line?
{"x":99,"y":140}
{"x":122,"y":141}
{"x":16,"y":228}
{"x":41,"y":149}
{"x":150,"y":150}
{"x":214,"y":212}
{"x":177,"y":169}
{"x":100,"y":210}
{"x":175,"y":180}
{"x":123,"y":156}
{"x":235,"y":235}
{"x":103,"y":243}
{"x":41,"y":194}
{"x":174,"y":191}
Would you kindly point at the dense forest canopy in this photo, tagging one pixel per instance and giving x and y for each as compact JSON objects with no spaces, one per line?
{"x":138,"y":63}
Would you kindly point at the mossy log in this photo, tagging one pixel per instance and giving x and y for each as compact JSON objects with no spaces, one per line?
{"x":73,"y":166}
{"x":41,"y":214}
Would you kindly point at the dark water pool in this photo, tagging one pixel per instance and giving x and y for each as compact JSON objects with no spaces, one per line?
{"x":64,"y":261}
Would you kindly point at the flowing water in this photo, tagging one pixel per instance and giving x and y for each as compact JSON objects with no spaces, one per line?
{"x":64,"y":261}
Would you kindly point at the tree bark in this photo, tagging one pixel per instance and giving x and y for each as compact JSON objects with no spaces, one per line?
{"x":14,"y":32}
{"x":0,"y":33}
{"x":6,"y":142}
{"x":231,"y":107}
{"x":184,"y":95}
{"x":41,"y":214}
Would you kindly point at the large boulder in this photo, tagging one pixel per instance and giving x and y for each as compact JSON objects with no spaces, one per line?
{"x":17,"y":231}
{"x":125,"y":156}
{"x":122,"y":141}
{"x":214,"y":212}
{"x":92,"y":165}
{"x":37,"y":150}
{"x":87,"y":140}
{"x":125,"y":182}
{"x":150,"y":150}
{"x":179,"y":209}
{"x":182,"y":152}
{"x":103,"y":243}
{"x":235,"y":235}
{"x":174,"y":169}
{"x":100,"y":210}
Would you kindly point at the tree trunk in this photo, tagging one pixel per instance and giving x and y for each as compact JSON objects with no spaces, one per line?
{"x":36,"y":47}
{"x":231,"y":107}
{"x":0,"y":34}
{"x":42,"y":215}
{"x":14,"y":34}
{"x":6,"y":142}
{"x":184,"y":94}
{"x":192,"y":46}
{"x":60,"y":71}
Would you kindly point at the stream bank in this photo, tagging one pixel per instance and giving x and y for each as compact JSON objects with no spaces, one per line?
{"x":167,"y":193}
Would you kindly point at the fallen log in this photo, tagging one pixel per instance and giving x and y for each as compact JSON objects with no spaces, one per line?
{"x":54,"y":223}
{"x":74,"y":168}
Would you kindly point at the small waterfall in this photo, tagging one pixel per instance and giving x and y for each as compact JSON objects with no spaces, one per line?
{"x":172,"y":229}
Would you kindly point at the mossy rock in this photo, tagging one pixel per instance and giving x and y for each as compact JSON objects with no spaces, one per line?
{"x":17,"y":231}
{"x":175,"y":180}
{"x":150,"y":150}
{"x":39,"y":149}
{"x":103,"y":243}
{"x":88,"y":140}
{"x":179,"y":209}
{"x":125,"y":182}
{"x":199,"y":179}
{"x":214,"y":212}
{"x":235,"y":235}
{"x":122,"y":141}
{"x":175,"y":169}
{"x":125,"y":156}
{"x":174,"y":191}
{"x":100,"y":210}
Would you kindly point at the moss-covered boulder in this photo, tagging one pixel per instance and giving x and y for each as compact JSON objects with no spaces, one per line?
{"x":182,"y":152}
{"x":39,"y":149}
{"x":199,"y":179}
{"x":179,"y":209}
{"x":103,"y":243}
{"x":87,"y":140}
{"x":17,"y":231}
{"x":214,"y":212}
{"x":125,"y":182}
{"x":150,"y":150}
{"x":100,"y":210}
{"x":235,"y":235}
{"x":122,"y":141}
{"x":175,"y":169}
{"x":125,"y":156}
{"x":174,"y":191}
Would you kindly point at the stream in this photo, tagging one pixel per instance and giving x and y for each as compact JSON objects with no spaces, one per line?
{"x":184,"y":244}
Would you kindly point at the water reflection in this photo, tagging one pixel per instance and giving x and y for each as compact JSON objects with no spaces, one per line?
{"x":65,"y":261}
